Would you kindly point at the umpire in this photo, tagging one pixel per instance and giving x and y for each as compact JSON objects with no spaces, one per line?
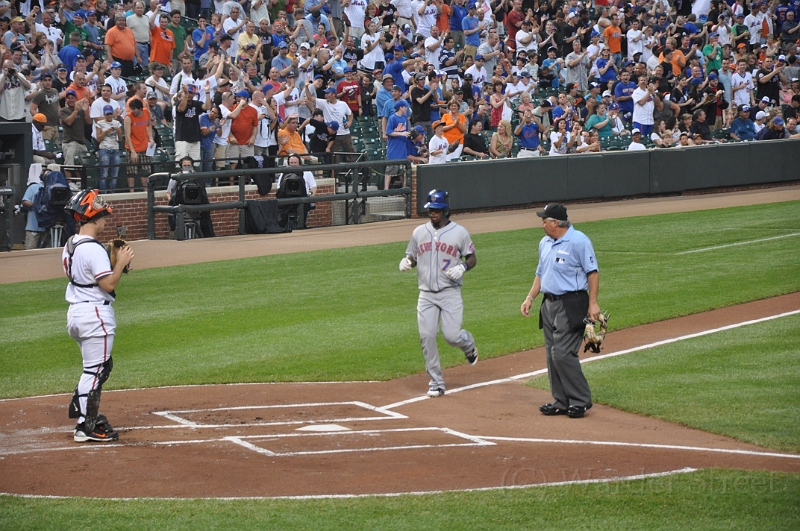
{"x":567,"y":269}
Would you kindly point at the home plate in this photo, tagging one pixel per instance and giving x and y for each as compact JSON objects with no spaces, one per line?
{"x":323,"y":427}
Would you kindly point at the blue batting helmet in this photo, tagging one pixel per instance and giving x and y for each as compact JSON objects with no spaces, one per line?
{"x":439,"y":199}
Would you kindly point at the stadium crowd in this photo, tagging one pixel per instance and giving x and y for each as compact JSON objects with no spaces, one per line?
{"x":429,"y":80}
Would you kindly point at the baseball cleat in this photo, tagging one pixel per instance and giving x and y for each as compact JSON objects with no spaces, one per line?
{"x":472,"y":356}
{"x":551,"y":409}
{"x":578,"y":412}
{"x":99,"y":434}
{"x":434,"y":392}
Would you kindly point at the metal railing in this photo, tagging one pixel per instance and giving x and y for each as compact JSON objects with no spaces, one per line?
{"x":358,"y":196}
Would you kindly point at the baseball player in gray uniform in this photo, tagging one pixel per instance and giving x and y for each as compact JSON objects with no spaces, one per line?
{"x":90,"y":319}
{"x":436,"y":249}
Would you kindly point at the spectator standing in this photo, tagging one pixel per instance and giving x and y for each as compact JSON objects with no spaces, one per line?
{"x":422,"y":98}
{"x":742,"y":85}
{"x":528,"y":132}
{"x":769,"y":78}
{"x":349,"y":91}
{"x":179,"y":36}
{"x":73,"y":118}
{"x":336,"y":111}
{"x":472,"y":28}
{"x":397,"y":133}
{"x":108,"y":132}
{"x":69,"y":54}
{"x":45,"y":101}
{"x":613,"y":40}
{"x":623,"y":95}
{"x":138,"y":138}
{"x":643,"y":105}
{"x":578,"y":64}
{"x":202,"y":36}
{"x":12,"y":93}
{"x":139,"y":24}
{"x":162,"y":43}
{"x":120,"y":45}
{"x":209,"y":125}
{"x":188,"y":135}
{"x":244,"y":129}
{"x":233,"y":27}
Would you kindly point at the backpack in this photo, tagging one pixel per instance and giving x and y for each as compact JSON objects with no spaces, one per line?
{"x":50,"y":200}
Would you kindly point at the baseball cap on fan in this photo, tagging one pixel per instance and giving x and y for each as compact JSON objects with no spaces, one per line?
{"x":554,"y":210}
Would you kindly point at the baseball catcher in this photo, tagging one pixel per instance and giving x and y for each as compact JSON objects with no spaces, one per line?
{"x":595,"y":332}
{"x":91,"y":321}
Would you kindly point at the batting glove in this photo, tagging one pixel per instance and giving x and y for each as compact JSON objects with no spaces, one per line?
{"x":405,"y":264}
{"x":456,"y":272}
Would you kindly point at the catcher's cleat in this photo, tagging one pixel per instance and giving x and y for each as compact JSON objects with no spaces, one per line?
{"x":98,"y":434}
{"x":433,"y":392}
{"x":595,"y":332}
{"x":472,"y":356}
{"x":551,"y":409}
{"x":578,"y":412}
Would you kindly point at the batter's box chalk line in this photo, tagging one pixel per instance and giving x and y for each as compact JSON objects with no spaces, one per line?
{"x":177,"y":416}
{"x":245,"y":441}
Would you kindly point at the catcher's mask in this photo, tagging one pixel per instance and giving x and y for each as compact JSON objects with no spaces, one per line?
{"x":439,"y":199}
{"x":87,"y":206}
{"x":595,"y":332}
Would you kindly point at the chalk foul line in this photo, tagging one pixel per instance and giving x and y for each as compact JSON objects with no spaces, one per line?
{"x":618,"y":479}
{"x":528,"y":375}
{"x":735,"y":244}
{"x":642,"y":445}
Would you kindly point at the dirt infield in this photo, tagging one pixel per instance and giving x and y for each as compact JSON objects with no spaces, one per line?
{"x":379,"y":437}
{"x":355,"y":438}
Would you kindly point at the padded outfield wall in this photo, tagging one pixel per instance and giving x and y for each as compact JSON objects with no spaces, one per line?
{"x":511,"y":182}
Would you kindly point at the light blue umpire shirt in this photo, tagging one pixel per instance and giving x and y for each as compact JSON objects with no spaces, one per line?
{"x":565,"y":263}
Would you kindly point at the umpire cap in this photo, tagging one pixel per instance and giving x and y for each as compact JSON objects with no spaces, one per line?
{"x":554,"y":210}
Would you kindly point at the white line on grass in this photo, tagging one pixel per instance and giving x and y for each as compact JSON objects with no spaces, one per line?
{"x":738,"y":243}
{"x":596,"y":358}
{"x":642,"y":445}
{"x":619,"y":479}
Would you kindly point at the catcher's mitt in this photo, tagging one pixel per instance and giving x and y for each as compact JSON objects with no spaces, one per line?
{"x":112,"y":247}
{"x":595,"y":333}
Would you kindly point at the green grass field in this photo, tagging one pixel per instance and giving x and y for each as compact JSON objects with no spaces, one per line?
{"x":349,"y":315}
{"x":742,"y":383}
{"x":704,"y":500}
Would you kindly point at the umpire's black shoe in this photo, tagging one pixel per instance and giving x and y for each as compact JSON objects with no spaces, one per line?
{"x":578,"y":412}
{"x":551,"y":409}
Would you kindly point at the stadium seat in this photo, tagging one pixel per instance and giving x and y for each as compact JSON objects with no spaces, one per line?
{"x":90,"y":164}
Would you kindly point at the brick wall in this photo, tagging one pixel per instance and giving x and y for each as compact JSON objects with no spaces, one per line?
{"x":130,"y":210}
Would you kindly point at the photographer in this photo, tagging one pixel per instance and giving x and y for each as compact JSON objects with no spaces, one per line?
{"x":12,"y":93}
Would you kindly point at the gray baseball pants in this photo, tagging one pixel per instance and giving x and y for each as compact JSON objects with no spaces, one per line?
{"x":447,"y":306}
{"x":567,"y":382}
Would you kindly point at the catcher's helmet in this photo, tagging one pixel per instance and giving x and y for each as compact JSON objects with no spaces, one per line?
{"x":87,"y":206}
{"x":439,"y":199}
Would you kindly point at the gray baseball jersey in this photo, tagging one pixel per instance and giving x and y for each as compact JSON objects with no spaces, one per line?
{"x":436,"y":251}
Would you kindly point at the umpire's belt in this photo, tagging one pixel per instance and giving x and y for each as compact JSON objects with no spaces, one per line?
{"x":551,"y":297}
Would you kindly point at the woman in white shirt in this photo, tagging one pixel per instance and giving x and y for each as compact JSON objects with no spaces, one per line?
{"x":561,"y":140}
{"x":372,"y":44}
